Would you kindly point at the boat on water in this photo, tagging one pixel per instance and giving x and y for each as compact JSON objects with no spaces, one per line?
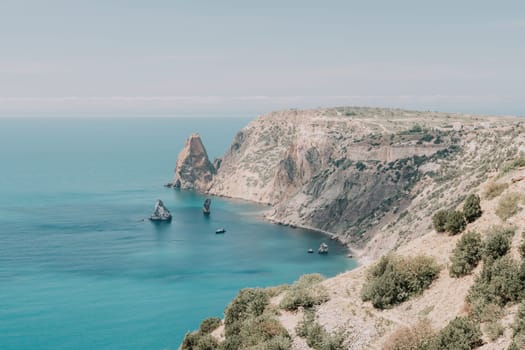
{"x":323,"y":249}
{"x":220,"y":230}
{"x":310,"y":251}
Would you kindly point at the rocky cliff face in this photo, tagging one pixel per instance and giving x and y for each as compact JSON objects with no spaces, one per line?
{"x":193,"y":170}
{"x":360,"y":173}
{"x":375,"y":177}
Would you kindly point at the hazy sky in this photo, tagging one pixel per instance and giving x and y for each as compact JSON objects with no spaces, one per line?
{"x":150,"y":57}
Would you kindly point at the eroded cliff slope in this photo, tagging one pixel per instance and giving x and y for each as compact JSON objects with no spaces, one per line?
{"x":371,"y":176}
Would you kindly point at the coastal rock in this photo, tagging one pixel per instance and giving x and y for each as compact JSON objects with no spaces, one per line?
{"x":193,"y":170}
{"x":206,"y":206}
{"x":360,"y":172}
{"x":160,"y":213}
{"x":217,"y":163}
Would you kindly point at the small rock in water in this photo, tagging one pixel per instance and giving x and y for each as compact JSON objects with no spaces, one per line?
{"x":161,"y":213}
{"x":206,"y":206}
{"x":323,"y":249}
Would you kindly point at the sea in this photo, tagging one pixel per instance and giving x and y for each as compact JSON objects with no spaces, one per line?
{"x":81,"y":267}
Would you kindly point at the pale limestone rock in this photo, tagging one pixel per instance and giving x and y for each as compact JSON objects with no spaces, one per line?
{"x":193,"y":171}
{"x":358,"y":173}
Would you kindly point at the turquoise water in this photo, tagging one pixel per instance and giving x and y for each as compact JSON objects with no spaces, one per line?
{"x":81,"y":269}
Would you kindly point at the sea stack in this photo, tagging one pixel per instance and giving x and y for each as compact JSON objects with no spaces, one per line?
{"x":161,"y":213}
{"x":206,"y":206}
{"x":193,"y":171}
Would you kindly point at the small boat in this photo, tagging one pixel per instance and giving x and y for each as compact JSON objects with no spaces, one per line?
{"x":220,"y":230}
{"x":323,"y":249}
{"x":310,"y":251}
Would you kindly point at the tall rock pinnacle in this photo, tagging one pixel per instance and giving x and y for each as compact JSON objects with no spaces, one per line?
{"x":193,"y":170}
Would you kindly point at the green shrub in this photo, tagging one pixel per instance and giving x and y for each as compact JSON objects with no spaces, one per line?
{"x":466,"y":255}
{"x":497,"y":243}
{"x":521,"y":248}
{"x":209,"y":325}
{"x":493,"y":330}
{"x":279,"y":342}
{"x":426,"y":138}
{"x":190,"y":341}
{"x":247,"y":304}
{"x":518,"y":327}
{"x":276,"y":290}
{"x":514,"y":346}
{"x":455,"y":222}
{"x":250,"y":323}
{"x":440,"y":220}
{"x":416,"y":337}
{"x":360,"y":166}
{"x":395,"y":279}
{"x":486,"y":312}
{"x":206,"y":342}
{"x":508,"y":206}
{"x":500,"y":282}
{"x":513,"y":165}
{"x":495,"y":189}
{"x":306,"y":292}
{"x":416,"y":128}
{"x":198,"y":341}
{"x":260,"y":331}
{"x":472,"y":208}
{"x":462,"y":333}
{"x":316,"y":336}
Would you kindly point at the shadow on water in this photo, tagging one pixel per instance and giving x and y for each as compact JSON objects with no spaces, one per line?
{"x":162,"y":228}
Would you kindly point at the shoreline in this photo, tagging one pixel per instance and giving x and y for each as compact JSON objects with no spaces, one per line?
{"x":352,"y":252}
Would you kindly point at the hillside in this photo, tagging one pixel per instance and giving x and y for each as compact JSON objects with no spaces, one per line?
{"x":372,"y":177}
{"x":376,"y":178}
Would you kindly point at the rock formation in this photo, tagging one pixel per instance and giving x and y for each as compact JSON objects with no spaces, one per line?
{"x":160,"y":213}
{"x":389,"y":164}
{"x":193,"y":170}
{"x":358,"y":173}
{"x":206,"y":206}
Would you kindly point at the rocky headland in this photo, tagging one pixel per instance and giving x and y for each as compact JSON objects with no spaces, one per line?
{"x":376,"y":178}
{"x":370,"y":176}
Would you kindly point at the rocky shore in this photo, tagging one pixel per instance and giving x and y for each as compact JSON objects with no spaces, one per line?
{"x":369,"y":176}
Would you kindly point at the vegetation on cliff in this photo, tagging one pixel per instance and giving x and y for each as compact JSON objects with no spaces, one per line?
{"x":305,"y":293}
{"x":249,"y":322}
{"x":462,"y":333}
{"x":466,"y":255}
{"x":392,"y":204}
{"x":394,"y":279}
{"x":316,"y":336}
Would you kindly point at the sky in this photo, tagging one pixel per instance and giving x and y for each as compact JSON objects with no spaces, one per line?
{"x":244,"y":58}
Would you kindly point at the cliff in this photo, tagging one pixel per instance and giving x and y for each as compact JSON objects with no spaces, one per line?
{"x":371,"y":176}
{"x":193,"y":170}
{"x":375,"y":177}
{"x":362,"y":326}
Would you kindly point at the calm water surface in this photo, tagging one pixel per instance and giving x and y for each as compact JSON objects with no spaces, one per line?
{"x":81,"y":269}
